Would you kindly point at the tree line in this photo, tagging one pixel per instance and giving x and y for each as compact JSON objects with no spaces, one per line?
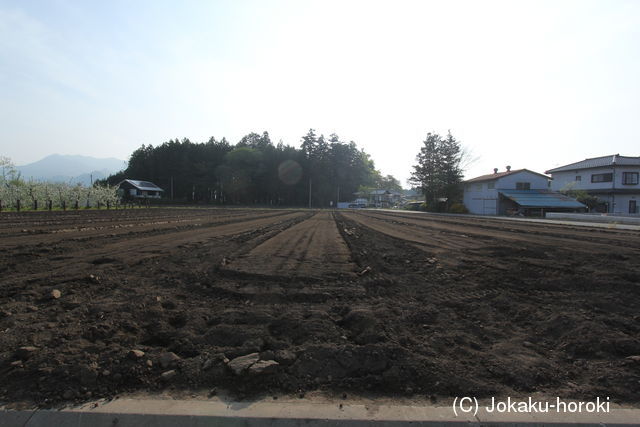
{"x":322,"y":172}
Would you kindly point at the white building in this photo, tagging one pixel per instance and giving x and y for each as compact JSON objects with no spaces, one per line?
{"x":613,"y":179}
{"x":514,"y":191}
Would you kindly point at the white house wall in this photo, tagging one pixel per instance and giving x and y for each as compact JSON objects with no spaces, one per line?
{"x":621,"y":203}
{"x":562,"y":179}
{"x":479,"y":199}
{"x":618,"y":203}
{"x":509,"y":182}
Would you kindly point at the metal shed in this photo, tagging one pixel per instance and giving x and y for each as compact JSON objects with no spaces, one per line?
{"x":538,"y":199}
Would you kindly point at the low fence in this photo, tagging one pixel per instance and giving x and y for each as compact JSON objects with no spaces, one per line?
{"x":603,"y":218}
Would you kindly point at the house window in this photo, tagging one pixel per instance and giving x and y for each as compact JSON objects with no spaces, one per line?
{"x":602,"y":177}
{"x":491,"y":185}
{"x":578,"y":178}
{"x":478,"y":186}
{"x":630,"y":178}
{"x":523,"y":186}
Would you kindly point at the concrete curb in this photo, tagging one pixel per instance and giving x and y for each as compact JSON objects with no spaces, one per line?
{"x":139,"y":412}
{"x":631,"y":220}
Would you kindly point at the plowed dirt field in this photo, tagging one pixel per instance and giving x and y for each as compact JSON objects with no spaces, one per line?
{"x":367,"y":302}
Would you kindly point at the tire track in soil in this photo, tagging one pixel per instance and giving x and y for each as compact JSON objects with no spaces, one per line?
{"x":313,"y":248}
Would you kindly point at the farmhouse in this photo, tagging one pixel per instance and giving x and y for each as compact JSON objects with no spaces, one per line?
{"x":134,"y":189}
{"x":514,"y":191}
{"x":612,"y":179}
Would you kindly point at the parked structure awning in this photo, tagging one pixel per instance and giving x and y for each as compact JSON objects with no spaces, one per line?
{"x":541,"y":199}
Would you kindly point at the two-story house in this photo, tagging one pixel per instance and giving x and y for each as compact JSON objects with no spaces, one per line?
{"x":613,"y":179}
{"x":514,"y":191}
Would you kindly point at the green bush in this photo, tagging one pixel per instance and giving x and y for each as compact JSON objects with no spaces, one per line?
{"x":415,"y":206}
{"x":458,"y":208}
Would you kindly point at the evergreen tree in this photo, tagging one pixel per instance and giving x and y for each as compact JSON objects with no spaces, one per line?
{"x":438,"y":172}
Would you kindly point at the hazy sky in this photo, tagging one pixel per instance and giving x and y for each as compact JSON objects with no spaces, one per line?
{"x":527,"y":83}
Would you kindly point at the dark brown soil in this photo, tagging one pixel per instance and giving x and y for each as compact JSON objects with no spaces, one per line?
{"x":395,"y":304}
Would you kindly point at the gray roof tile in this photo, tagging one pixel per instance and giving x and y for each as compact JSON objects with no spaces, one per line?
{"x":598,"y":162}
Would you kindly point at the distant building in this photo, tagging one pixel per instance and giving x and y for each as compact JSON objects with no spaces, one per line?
{"x":613,"y":179}
{"x":134,"y":189}
{"x":518,"y":191}
{"x":383,"y":198}
{"x":373,"y":199}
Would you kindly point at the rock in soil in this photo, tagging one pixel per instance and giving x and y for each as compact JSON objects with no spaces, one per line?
{"x":136,"y":354}
{"x":168,"y":359}
{"x":168,"y":375}
{"x":242,"y":363}
{"x":263,"y":367}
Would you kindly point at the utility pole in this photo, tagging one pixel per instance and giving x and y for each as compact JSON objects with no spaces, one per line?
{"x":613,"y":187}
{"x":172,"y":188}
{"x":309,"y":192}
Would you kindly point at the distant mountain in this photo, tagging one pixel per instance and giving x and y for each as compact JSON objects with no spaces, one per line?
{"x":72,"y":169}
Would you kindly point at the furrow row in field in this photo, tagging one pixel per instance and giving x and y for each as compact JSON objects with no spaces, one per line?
{"x":44,"y":218}
{"x":313,"y":248}
{"x":130,"y":230}
{"x":491,"y":225}
{"x":431,"y":240}
{"x":436,"y":308}
{"x":130,"y":251}
{"x":468,"y":235}
{"x":112,"y":220}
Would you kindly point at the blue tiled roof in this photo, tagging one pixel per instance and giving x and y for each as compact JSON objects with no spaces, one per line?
{"x":541,"y":199}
